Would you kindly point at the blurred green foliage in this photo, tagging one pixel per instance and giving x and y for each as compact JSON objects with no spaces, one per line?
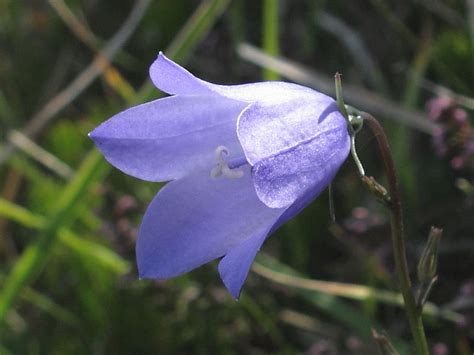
{"x":68,"y":282}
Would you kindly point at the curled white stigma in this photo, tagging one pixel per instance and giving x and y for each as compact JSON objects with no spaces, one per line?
{"x":222,"y":168}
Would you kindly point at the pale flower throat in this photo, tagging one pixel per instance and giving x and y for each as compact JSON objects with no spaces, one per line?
{"x":229,"y":169}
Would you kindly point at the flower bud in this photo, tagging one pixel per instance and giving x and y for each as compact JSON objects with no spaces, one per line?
{"x":429,"y":258}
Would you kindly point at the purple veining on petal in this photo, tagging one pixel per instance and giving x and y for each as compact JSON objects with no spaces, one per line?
{"x":293,"y":146}
{"x":267,"y":130}
{"x":282,"y":179}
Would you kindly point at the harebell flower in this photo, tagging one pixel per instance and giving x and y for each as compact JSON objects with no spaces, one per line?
{"x":241,"y":160}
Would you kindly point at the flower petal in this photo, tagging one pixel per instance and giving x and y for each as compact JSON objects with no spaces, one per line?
{"x":196,"y":219}
{"x":266,"y":130}
{"x":293,"y":146}
{"x":267,"y":92}
{"x":164,"y":139}
{"x":235,"y":265}
{"x":171,"y":78}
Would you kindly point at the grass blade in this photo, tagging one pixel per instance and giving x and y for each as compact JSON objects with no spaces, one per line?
{"x":187,"y":39}
{"x":34,"y":258}
{"x":328,"y":303}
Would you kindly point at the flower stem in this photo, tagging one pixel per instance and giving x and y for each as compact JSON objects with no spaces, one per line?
{"x":396,"y":219}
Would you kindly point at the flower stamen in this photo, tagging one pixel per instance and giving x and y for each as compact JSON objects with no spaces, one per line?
{"x":227,"y":169}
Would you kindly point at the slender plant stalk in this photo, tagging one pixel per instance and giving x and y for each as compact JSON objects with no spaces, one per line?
{"x":396,"y":219}
{"x":270,"y":42}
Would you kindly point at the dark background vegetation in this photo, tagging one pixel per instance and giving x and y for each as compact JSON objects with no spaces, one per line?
{"x":83,"y":295}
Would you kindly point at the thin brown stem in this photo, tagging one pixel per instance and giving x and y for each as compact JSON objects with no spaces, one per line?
{"x":399,"y":251}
